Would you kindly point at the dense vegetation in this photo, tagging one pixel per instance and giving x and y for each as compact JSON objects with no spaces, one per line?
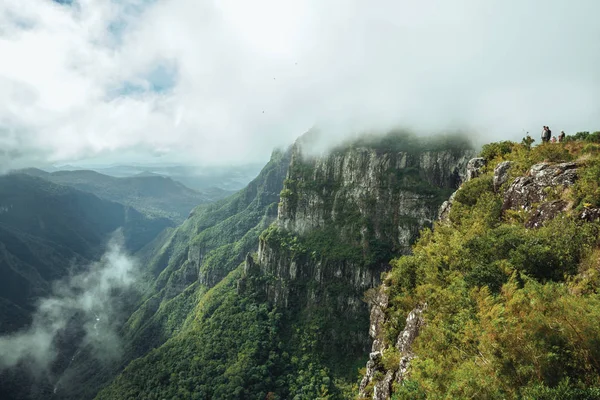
{"x":512,"y":313}
{"x":236,"y":346}
{"x":153,"y":195}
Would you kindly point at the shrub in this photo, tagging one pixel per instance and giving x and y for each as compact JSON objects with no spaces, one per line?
{"x":591,"y":148}
{"x":587,"y":188}
{"x":564,"y":390}
{"x":550,"y":152}
{"x":594,"y":137}
{"x":472,"y":190}
{"x":577,"y":136}
{"x":409,"y":390}
{"x":497,"y":149}
{"x":490,"y":275}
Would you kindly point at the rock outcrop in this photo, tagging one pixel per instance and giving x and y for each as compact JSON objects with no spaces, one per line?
{"x":539,"y":192}
{"x":474,"y":167}
{"x":444,"y":212}
{"x":501,"y":174}
{"x":590,"y":214}
{"x":473,"y":170}
{"x":380,"y":389}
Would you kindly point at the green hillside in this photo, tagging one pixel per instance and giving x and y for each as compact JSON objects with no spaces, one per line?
{"x":47,"y":228}
{"x":509,"y":283}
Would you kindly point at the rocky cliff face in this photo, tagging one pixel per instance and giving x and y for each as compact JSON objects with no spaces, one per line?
{"x":348,"y":212}
{"x":341,"y":218}
{"x":381,"y":388}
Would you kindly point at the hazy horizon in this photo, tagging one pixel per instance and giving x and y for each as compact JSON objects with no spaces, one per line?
{"x":224,"y":83}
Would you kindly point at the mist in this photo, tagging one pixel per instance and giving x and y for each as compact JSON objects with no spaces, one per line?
{"x":88,"y":298}
{"x":213,"y":83}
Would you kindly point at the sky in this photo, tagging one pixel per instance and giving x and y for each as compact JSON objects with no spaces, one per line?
{"x":209,"y":82}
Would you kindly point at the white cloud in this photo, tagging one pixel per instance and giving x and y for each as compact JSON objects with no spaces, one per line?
{"x":88,"y":298}
{"x":248,"y":76}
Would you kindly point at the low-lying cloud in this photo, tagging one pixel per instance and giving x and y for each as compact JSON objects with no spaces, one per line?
{"x":89,"y":298}
{"x":226,"y":81}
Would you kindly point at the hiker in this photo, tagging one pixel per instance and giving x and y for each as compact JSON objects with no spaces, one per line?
{"x":553,"y":139}
{"x":561,"y":137}
{"x":545,"y":134}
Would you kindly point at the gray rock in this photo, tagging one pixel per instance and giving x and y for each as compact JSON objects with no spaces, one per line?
{"x":382,"y":388}
{"x":501,"y":174}
{"x":474,"y":167}
{"x":531,"y":193}
{"x":545,"y":212}
{"x":377,"y":318}
{"x":414,"y":322}
{"x":445,"y":208}
{"x":372,"y":185}
{"x":590,"y":214}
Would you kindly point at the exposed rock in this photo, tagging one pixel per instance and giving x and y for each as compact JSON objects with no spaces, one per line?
{"x":531,"y":193}
{"x":414,"y":322}
{"x":501,"y":174}
{"x":249,"y":265}
{"x":473,"y":170}
{"x":378,"y":304}
{"x":376,"y":184}
{"x":590,"y":214}
{"x":445,"y":208}
{"x":369,"y":196}
{"x":474,"y":167}
{"x":545,"y":212}
{"x":373,"y":366}
{"x":287,"y":268}
{"x":383,"y":387}
{"x":372,"y":201}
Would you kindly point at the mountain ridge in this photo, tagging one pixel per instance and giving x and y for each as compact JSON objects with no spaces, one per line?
{"x":155,"y":195}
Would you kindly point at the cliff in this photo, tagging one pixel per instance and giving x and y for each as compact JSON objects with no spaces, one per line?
{"x":342,"y":216}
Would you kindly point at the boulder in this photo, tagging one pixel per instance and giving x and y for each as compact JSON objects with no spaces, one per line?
{"x":532,"y":192}
{"x":501,"y":174}
{"x":474,"y":167}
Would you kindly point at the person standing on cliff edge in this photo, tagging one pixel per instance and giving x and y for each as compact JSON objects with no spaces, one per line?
{"x":561,"y":137}
{"x":546,"y":134}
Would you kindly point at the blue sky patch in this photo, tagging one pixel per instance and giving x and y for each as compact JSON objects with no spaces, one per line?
{"x":161,"y":78}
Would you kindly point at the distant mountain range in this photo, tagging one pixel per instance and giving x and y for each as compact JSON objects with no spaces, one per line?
{"x":150,"y":193}
{"x":198,"y":178}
